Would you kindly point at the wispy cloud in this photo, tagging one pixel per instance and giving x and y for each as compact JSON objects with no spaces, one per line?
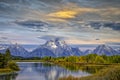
{"x":76,"y":21}
{"x":63,"y":14}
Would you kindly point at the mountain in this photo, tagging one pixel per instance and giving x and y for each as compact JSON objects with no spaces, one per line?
{"x":16,"y":50}
{"x":118,"y":50}
{"x":86,"y":52}
{"x":104,"y":49}
{"x":41,"y":52}
{"x":3,"y":48}
{"x":77,"y":52}
{"x":55,"y":48}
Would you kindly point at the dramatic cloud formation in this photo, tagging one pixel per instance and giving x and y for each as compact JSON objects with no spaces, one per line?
{"x":75,"y":21}
{"x":63,"y":14}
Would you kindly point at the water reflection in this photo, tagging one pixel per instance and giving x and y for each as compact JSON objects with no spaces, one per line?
{"x":8,"y":76}
{"x":47,"y":71}
{"x":85,"y":68}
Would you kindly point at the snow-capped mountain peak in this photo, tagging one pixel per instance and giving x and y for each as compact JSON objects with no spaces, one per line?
{"x":56,"y":48}
{"x":104,"y":49}
{"x":51,"y":44}
{"x":3,"y":47}
{"x":18,"y":50}
{"x":55,"y":43}
{"x":60,"y":42}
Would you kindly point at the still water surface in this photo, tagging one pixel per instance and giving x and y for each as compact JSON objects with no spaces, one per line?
{"x":46,"y":71}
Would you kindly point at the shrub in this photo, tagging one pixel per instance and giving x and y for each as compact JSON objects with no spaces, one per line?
{"x":12,"y":65}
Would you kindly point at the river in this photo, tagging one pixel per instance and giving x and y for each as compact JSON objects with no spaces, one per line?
{"x":46,"y":71}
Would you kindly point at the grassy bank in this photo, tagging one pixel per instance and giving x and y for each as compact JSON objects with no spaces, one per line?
{"x":28,"y":61}
{"x":11,"y":68}
{"x":6,"y":70}
{"x":104,"y":71}
{"x":110,"y":73}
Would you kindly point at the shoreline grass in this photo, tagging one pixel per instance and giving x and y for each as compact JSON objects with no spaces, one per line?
{"x":110,"y":73}
{"x":7,"y":71}
{"x":64,"y":62}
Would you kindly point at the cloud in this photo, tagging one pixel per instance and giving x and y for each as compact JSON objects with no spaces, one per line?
{"x":31,"y":23}
{"x":78,"y":41}
{"x":84,"y":13}
{"x":60,"y":18}
{"x":114,"y":26}
{"x":50,"y":37}
{"x":114,"y":43}
{"x":69,"y":11}
{"x":100,"y":25}
{"x":4,"y":40}
{"x":107,"y":11}
{"x":3,"y":37}
{"x":39,"y":26}
{"x":63,"y":14}
{"x":91,"y":41}
{"x":56,"y":20}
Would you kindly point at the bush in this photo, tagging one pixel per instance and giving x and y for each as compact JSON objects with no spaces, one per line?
{"x":12,"y":65}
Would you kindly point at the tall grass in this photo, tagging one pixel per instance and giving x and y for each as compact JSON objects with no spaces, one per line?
{"x":110,"y":73}
{"x":5,"y":70}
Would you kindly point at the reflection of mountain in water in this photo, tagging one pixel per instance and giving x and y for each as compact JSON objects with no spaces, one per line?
{"x":37,"y":71}
{"x":47,"y":71}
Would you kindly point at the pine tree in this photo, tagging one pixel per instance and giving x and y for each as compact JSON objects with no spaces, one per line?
{"x":7,"y":57}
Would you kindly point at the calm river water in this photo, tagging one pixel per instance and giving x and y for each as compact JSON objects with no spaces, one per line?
{"x":47,"y":71}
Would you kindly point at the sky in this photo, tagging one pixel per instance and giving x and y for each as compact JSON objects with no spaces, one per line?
{"x":35,"y":21}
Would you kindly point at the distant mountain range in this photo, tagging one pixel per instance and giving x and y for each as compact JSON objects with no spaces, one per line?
{"x":16,"y":50}
{"x":57,"y":48}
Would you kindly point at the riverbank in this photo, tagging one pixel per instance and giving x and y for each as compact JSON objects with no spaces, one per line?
{"x":7,"y":71}
{"x":62,"y":63}
{"x":109,"y":73}
{"x":28,"y":61}
{"x":100,"y":71}
{"x":11,"y":68}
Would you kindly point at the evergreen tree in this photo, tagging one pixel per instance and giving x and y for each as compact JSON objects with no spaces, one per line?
{"x":7,"y":57}
{"x":1,"y":60}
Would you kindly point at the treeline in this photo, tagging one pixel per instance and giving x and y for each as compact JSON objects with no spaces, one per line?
{"x":90,"y":58}
{"x":6,"y":62}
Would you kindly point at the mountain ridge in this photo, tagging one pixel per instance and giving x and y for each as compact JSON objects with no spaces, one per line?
{"x":58,"y":48}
